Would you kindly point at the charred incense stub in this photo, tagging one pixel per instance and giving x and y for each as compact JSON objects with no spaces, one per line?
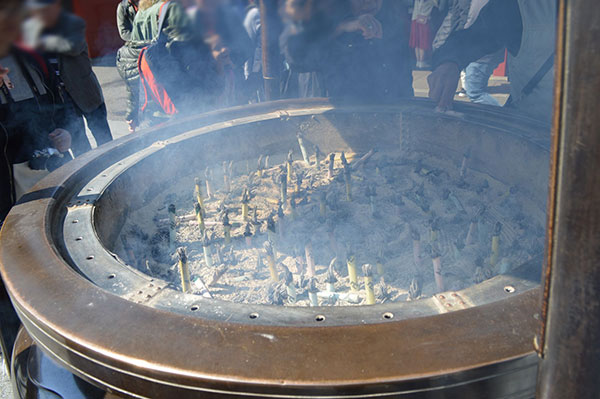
{"x":270,"y":258}
{"x":184,"y":271}
{"x":206,"y":248}
{"x":226,"y":227}
{"x":259,"y":169}
{"x":414,"y":290}
{"x":172,"y":225}
{"x":352,"y":277}
{"x":331,"y":279}
{"x":289,"y":165}
{"x":347,"y":177}
{"x":330,"y":167}
{"x":303,"y":148}
{"x":198,"y":191}
{"x":245,"y":201}
{"x":312,"y":292}
{"x":436,"y":258}
{"x":496,"y":244}
{"x":283,"y":186}
{"x":310,"y":262}
{"x":199,"y":216}
{"x":288,"y":278}
{"x":368,"y":277}
{"x":208,"y":177}
{"x":248,"y":235}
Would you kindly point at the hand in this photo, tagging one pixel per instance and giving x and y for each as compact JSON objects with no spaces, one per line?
{"x":443,"y":83}
{"x":60,"y":139}
{"x":369,"y":26}
{"x":3,"y":75}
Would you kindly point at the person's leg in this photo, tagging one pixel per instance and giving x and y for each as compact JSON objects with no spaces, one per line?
{"x":133,"y":103}
{"x":98,"y":124}
{"x":477,"y":76}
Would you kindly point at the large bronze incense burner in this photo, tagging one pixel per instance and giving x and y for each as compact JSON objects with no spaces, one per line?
{"x":122,"y":311}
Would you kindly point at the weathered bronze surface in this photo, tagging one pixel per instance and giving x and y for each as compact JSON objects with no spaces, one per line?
{"x":141,"y":351}
{"x":571,"y":333}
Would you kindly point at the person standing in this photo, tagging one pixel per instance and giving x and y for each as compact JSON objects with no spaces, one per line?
{"x":60,"y":36}
{"x":359,"y":48}
{"x":32,"y":135}
{"x":420,"y":31}
{"x":127,"y":58}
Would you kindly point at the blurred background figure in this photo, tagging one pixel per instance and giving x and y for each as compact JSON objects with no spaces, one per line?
{"x":127,"y":58}
{"x":420,"y":31}
{"x":359,"y":48}
{"x":60,"y":37}
{"x":475,"y":77}
{"x":527,"y":28}
{"x":222,"y":28}
{"x":254,"y":86}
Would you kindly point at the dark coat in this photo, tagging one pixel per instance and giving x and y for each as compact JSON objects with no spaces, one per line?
{"x":350,"y":66}
{"x":67,"y":39}
{"x":25,"y":125}
{"x":127,"y":56}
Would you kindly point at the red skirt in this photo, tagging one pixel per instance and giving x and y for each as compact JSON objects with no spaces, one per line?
{"x":420,"y":36}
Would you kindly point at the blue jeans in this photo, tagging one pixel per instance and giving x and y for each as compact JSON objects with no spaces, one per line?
{"x":477,"y":76}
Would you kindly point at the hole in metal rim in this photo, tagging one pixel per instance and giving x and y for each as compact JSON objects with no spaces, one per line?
{"x":79,"y":239}
{"x":320,"y":318}
{"x":509,"y":289}
{"x":253,"y":316}
{"x":194,"y":308}
{"x":388,"y":315}
{"x":111,"y":276}
{"x":91,"y":257}
{"x":75,"y":221}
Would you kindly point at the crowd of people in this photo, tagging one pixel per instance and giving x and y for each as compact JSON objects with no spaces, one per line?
{"x":184,"y":56}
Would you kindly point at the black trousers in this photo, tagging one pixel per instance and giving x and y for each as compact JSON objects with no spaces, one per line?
{"x":97,"y":122}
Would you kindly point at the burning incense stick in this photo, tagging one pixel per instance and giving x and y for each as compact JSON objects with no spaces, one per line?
{"x":259,"y":169}
{"x":198,"y":192}
{"x":323,"y":206}
{"x":331,"y":166}
{"x":318,"y":155}
{"x":436,"y":258}
{"x":496,"y":244}
{"x":299,"y":178}
{"x":303,"y":148}
{"x":368,"y":277}
{"x":227,"y":176}
{"x":347,"y":177}
{"x":416,"y":237}
{"x":208,"y":177}
{"x":288,"y":277}
{"x":184,"y":271}
{"x":172,"y":225}
{"x":310,"y":262}
{"x":245,"y":201}
{"x":206,"y":248}
{"x":248,"y":235}
{"x":289,"y":163}
{"x":283,"y":186}
{"x":379,"y":264}
{"x":226,"y":227}
{"x":351,"y":264}
{"x":270,"y":257}
{"x":271,"y":228}
{"x":434,"y":229}
{"x":312,"y":292}
{"x":371,"y":194}
{"x":199,"y":216}
{"x":414,"y":290}
{"x":281,"y":220}
{"x":463,"y":166}
{"x":330,"y":280}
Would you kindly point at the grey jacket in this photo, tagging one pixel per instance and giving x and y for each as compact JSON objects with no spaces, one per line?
{"x":67,"y":39}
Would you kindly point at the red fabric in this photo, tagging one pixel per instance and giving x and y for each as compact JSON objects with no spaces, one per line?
{"x":420,"y":36}
{"x":157,"y":90}
{"x":37,"y":57}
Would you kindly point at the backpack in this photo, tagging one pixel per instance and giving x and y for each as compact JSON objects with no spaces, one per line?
{"x":181,"y":77}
